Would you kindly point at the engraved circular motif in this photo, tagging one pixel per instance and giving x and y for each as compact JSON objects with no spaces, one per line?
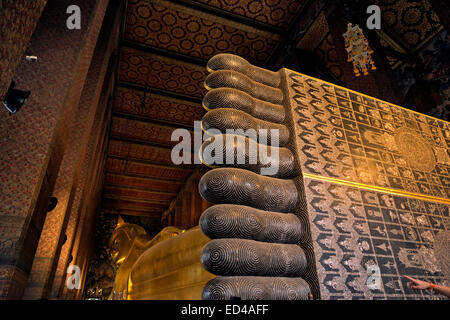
{"x":200,"y":38}
{"x":413,"y":15}
{"x":193,"y":26}
{"x":143,"y":11}
{"x":413,"y":20}
{"x":254,"y":7}
{"x":415,"y":149}
{"x":154,"y":25}
{"x":164,"y":38}
{"x":169,"y":19}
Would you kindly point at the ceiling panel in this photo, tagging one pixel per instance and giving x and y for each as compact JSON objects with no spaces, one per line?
{"x":117,"y":205}
{"x":174,"y":27}
{"x":138,"y":130}
{"x":156,"y":107}
{"x":274,"y":12}
{"x":131,"y":168}
{"x":140,"y":183}
{"x":151,"y":70}
{"x":124,"y":193}
{"x":139,"y":152}
{"x":413,"y":21}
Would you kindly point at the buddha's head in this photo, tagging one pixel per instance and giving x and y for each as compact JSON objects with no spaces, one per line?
{"x":122,"y":240}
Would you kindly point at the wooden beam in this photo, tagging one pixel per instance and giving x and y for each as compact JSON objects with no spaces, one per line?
{"x":161,"y":92}
{"x":168,"y":165}
{"x":134,"y":189}
{"x":164,"y":52}
{"x":150,"y":192}
{"x":116,"y":204}
{"x":163,"y":123}
{"x":296,"y":31}
{"x":148,"y":92}
{"x":176,"y":183}
{"x":186,"y":208}
{"x":442,"y":9}
{"x":390,"y":36}
{"x":131,"y":140}
{"x":195,"y":175}
{"x":143,"y":177}
{"x":147,"y":163}
{"x":144,"y":144}
{"x":140,"y":181}
{"x":128,"y":116}
{"x":232,"y":16}
{"x":134,"y":199}
{"x":196,"y":202}
{"x":148,"y":214}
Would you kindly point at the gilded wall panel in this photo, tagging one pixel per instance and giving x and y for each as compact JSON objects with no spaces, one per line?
{"x":376,"y":182}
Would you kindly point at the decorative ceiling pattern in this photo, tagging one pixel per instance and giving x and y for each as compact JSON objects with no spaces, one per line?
{"x":326,"y":52}
{"x":150,"y":70}
{"x":315,"y":35}
{"x":407,"y":27}
{"x":137,"y":130}
{"x":166,"y":25}
{"x":413,"y":21}
{"x":386,"y":45}
{"x":274,"y":12}
{"x":156,"y":107}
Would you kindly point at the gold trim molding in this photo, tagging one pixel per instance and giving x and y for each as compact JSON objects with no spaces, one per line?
{"x":359,"y":185}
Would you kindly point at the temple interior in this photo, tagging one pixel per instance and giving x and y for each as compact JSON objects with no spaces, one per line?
{"x":97,"y":202}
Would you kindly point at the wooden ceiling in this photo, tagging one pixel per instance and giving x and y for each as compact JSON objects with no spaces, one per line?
{"x":407,"y":26}
{"x":163,"y":55}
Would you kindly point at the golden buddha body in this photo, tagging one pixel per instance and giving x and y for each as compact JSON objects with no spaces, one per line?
{"x":167,"y":267}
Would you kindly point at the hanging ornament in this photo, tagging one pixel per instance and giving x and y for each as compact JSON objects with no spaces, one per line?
{"x":358,"y":50}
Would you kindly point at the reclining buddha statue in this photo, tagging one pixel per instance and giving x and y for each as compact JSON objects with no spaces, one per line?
{"x":165,"y":267}
{"x":249,"y":244}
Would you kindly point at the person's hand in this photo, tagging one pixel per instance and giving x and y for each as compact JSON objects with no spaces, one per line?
{"x":417,"y":284}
